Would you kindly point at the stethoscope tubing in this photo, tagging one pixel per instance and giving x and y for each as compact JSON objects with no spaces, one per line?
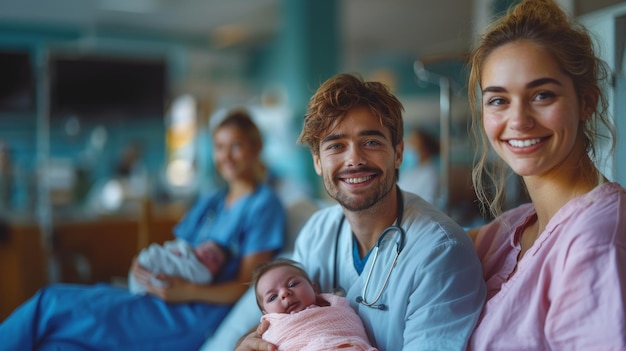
{"x":399,"y":246}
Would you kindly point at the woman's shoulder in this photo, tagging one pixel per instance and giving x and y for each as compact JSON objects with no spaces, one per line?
{"x":516,"y":214}
{"x":214,"y":193}
{"x":265,"y":195}
{"x":607,"y":192}
{"x":607,"y":202}
{"x":265,"y":189}
{"x":510,"y":217}
{"x":601,"y":210}
{"x":499,"y":228}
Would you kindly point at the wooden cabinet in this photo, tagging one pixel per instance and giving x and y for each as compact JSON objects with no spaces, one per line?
{"x":86,"y":250}
{"x":104,"y":249}
{"x":92,"y":251}
{"x":23,"y":263}
{"x":95,"y":251}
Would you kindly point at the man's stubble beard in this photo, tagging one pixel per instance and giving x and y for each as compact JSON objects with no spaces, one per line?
{"x":361,"y":204}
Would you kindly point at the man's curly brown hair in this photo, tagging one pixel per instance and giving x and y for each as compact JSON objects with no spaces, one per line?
{"x":341,"y":93}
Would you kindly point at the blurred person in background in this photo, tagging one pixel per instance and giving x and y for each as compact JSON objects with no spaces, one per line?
{"x":424,"y":178}
{"x":245,"y":216}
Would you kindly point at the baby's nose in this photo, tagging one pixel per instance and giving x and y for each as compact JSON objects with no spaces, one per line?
{"x":285,"y":293}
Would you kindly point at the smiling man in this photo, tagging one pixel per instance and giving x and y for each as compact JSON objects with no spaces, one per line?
{"x":408,"y":270}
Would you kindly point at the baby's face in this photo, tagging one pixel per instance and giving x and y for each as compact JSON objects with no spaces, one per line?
{"x":212,"y":255}
{"x":284,"y":290}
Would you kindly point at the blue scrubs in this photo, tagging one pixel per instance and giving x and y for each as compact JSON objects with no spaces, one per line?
{"x":103,"y":317}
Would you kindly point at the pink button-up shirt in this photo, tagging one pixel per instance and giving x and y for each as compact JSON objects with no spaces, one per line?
{"x":568,"y":291}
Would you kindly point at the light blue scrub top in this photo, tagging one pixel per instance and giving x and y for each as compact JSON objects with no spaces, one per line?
{"x":103,"y":317}
{"x":435,"y":293}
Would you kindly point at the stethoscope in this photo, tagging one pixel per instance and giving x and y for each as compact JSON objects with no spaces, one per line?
{"x":399,"y":246}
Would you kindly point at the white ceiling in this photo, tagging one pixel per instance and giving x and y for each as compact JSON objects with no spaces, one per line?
{"x":369,"y":27}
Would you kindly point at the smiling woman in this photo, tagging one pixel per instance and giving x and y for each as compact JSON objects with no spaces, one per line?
{"x":533,"y":123}
{"x":245,"y":216}
{"x":553,"y":267}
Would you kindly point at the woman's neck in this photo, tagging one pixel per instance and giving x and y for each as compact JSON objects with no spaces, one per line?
{"x":552,"y":191}
{"x":238,"y":189}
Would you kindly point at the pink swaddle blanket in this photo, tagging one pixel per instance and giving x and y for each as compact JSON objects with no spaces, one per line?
{"x":318,"y":328}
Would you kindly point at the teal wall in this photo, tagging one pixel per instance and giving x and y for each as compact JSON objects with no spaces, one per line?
{"x":21,"y":131}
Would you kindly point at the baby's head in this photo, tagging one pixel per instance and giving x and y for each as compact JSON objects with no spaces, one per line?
{"x":213,"y":255}
{"x":282,"y":286}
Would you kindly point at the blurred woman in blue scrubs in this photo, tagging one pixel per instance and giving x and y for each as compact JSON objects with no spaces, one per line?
{"x":246,"y":217}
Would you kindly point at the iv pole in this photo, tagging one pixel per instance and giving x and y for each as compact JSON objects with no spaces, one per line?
{"x":444,"y":122}
{"x":44,"y":206}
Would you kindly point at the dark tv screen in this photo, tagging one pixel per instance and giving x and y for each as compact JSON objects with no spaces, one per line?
{"x":103,"y":87}
{"x":17,"y":82}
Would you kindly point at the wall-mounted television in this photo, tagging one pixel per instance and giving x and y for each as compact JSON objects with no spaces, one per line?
{"x":107,"y":87}
{"x":17,"y":82}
